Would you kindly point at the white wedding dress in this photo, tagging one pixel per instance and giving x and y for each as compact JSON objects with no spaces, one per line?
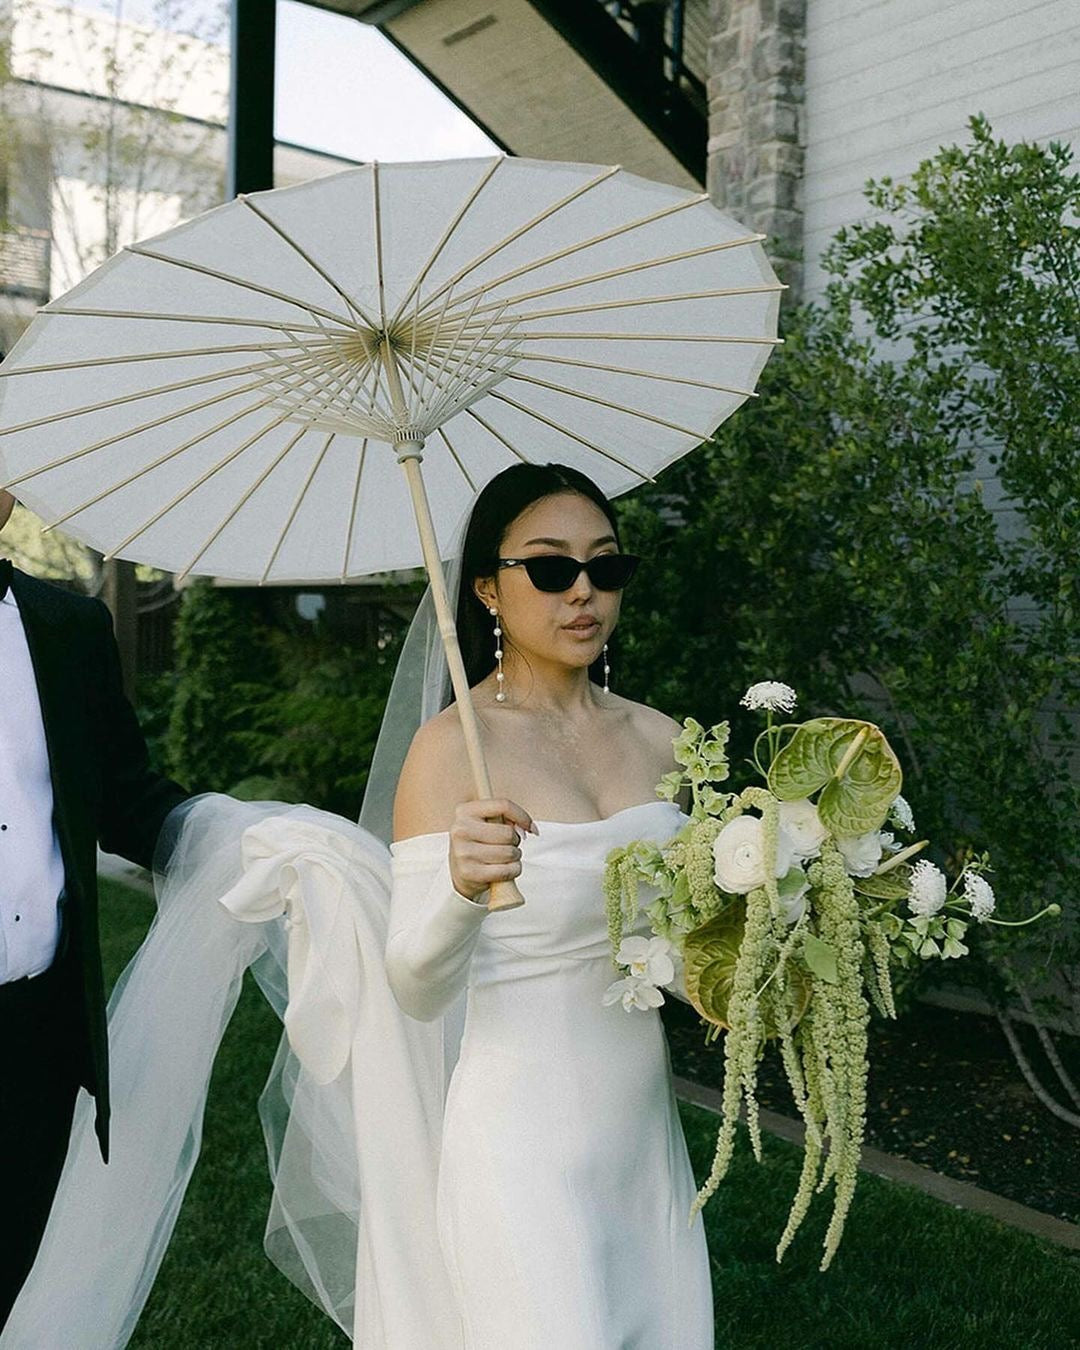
{"x":564,"y":1182}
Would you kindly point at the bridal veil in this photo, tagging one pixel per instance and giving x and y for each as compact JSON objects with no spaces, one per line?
{"x":352,"y":1110}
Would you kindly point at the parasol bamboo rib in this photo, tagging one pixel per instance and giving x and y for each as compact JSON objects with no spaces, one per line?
{"x":229,"y":279}
{"x":352,"y":510}
{"x":641,"y":374}
{"x":457,"y":459}
{"x":546,"y":214}
{"x":279,"y":325}
{"x":139,"y":394}
{"x":627,"y":269}
{"x":357,"y":309}
{"x":463,"y":210}
{"x":606,"y":403}
{"x":234,"y":511}
{"x":152,"y":425}
{"x":156,"y":463}
{"x":128,"y":357}
{"x":470,"y":392}
{"x":565,"y":431}
{"x":377,"y":206}
{"x":494,"y":431}
{"x":614,"y":233}
{"x":651,"y":337}
{"x":296,"y":506}
{"x":592,"y":306}
{"x":204,"y":477}
{"x":503,"y":894}
{"x":169,"y":454}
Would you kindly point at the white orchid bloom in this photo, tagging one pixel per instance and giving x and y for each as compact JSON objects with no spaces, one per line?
{"x":648,"y":958}
{"x":634,"y":993}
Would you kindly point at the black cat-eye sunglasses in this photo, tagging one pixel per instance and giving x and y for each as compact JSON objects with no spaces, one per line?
{"x":558,"y":572}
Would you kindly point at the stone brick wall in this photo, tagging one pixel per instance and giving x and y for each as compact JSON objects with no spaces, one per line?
{"x":757,"y":61}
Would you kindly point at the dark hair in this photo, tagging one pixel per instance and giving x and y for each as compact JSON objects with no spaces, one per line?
{"x":499,"y":504}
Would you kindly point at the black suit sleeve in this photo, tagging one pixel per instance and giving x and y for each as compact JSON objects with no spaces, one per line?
{"x":135,"y":799}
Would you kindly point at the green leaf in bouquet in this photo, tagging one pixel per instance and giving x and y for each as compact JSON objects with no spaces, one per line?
{"x":710,"y":953}
{"x":853,"y":765}
{"x":890,"y":886}
{"x":892,"y":924}
{"x":820,"y":958}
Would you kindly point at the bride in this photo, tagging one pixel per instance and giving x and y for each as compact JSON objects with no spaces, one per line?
{"x":469,"y":1149}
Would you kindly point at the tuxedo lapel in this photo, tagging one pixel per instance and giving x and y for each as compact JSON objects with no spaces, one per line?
{"x":49,"y":646}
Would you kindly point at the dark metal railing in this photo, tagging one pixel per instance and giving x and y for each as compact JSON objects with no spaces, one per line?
{"x":673,"y":33}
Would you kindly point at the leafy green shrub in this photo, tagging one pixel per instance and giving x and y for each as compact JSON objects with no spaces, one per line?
{"x":220,"y":645}
{"x":840,"y":532}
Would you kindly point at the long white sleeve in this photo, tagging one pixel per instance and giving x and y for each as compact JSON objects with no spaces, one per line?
{"x":677,"y":986}
{"x":432,"y":930}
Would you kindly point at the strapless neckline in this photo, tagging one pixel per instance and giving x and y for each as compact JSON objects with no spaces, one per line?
{"x":603,"y":820}
{"x":559,"y":824}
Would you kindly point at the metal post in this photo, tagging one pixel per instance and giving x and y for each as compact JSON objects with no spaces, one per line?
{"x":251,"y":97}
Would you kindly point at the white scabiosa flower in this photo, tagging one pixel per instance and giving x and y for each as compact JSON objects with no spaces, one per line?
{"x":770,"y":694}
{"x":634,"y":993}
{"x":980,"y":896}
{"x":802,"y":824}
{"x":900,"y":815}
{"x":861,"y":852}
{"x":739,"y":855}
{"x":928,"y":889}
{"x":648,"y":958}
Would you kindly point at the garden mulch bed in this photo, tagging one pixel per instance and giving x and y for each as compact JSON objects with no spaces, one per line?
{"x":944,"y":1092}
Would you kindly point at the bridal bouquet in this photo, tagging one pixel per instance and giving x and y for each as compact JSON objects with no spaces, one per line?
{"x":788,"y":905}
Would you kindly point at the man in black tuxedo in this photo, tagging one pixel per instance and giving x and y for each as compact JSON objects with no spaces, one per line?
{"x":73,"y":772}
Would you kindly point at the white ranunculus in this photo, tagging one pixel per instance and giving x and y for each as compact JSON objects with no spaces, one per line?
{"x":928,"y":889}
{"x":862,"y":852}
{"x":634,"y":993}
{"x":770,"y":694}
{"x":648,"y":958}
{"x":739,"y":855}
{"x":801,"y":822}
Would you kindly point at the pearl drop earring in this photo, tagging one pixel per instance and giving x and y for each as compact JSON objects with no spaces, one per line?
{"x":607,"y":671}
{"x":500,"y":697}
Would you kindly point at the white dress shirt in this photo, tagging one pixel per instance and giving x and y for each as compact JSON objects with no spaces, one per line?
{"x":31,"y":867}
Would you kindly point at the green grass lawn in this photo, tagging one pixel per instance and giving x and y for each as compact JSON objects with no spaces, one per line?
{"x":911,"y":1272}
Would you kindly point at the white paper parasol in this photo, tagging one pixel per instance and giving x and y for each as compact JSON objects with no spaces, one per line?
{"x":235,"y":396}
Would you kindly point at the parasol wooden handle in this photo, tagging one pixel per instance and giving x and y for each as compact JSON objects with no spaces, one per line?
{"x":501,"y":894}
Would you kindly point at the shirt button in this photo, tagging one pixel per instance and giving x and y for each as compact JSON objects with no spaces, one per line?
{"x":18,"y":917}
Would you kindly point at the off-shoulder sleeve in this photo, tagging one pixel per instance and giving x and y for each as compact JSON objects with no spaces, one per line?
{"x":432,"y":930}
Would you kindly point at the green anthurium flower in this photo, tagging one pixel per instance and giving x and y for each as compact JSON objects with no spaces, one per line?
{"x":850,"y":762}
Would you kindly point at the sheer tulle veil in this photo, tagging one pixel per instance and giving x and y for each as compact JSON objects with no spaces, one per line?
{"x":352,"y":1110}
